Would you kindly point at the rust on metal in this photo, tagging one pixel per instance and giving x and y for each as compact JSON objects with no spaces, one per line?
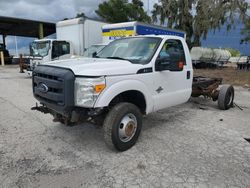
{"x":207,"y":87}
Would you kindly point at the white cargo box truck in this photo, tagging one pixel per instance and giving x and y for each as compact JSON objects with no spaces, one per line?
{"x":73,"y":37}
{"x":111,"y":32}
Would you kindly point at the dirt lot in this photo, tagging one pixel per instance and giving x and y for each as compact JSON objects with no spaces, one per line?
{"x":191,"y":145}
{"x":229,"y":74}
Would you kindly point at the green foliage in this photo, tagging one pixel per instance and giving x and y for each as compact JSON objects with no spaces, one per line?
{"x":78,"y":15}
{"x":115,"y":11}
{"x":234,"y":52}
{"x":246,"y":31}
{"x":197,"y":17}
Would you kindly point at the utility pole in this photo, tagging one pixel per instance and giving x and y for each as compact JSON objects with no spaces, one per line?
{"x":148,"y":8}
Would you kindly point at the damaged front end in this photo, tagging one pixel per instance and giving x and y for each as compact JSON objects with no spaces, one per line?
{"x":53,"y":87}
{"x":76,"y":116}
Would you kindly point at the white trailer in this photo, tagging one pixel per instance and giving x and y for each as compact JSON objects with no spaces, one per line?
{"x":73,"y":37}
{"x":208,"y":57}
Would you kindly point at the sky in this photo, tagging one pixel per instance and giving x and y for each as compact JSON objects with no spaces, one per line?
{"x":55,"y":10}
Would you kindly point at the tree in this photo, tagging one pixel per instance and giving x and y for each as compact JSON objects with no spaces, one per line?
{"x":233,"y":52}
{"x":115,"y":11}
{"x":78,"y":15}
{"x":207,"y":15}
{"x":246,"y":32}
{"x":136,"y":12}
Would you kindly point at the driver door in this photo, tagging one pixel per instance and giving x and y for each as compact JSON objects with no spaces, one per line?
{"x":172,"y":79}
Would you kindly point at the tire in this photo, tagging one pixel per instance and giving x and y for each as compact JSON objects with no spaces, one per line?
{"x":122,"y":119}
{"x":226,"y":97}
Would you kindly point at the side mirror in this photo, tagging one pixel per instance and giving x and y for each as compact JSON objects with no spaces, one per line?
{"x":162,"y":64}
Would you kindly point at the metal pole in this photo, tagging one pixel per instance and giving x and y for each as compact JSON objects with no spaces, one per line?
{"x":4,"y":43}
{"x":2,"y":58}
{"x":148,"y":7}
{"x":16,"y":46}
{"x":40,"y":32}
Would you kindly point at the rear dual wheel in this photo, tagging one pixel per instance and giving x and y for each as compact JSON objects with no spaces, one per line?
{"x":122,"y":126}
{"x":226,"y":97}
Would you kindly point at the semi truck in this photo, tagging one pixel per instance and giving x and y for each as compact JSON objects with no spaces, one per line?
{"x":73,"y":36}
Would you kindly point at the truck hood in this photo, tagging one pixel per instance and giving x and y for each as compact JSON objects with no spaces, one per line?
{"x":97,"y":66}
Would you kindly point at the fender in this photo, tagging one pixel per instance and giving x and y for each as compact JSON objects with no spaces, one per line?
{"x":115,"y":89}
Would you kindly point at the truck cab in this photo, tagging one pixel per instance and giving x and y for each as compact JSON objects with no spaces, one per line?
{"x":73,"y":36}
{"x":130,"y":77}
{"x":46,"y":50}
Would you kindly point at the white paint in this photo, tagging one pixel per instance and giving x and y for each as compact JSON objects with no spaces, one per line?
{"x":121,"y":76}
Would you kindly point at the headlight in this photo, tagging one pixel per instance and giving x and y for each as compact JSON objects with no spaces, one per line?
{"x":87,"y":90}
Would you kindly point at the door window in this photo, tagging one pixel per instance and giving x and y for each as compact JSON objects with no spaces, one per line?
{"x":174,"y":51}
{"x":171,"y":56}
{"x":60,"y":48}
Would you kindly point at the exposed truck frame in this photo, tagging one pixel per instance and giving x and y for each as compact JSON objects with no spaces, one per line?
{"x":209,"y":88}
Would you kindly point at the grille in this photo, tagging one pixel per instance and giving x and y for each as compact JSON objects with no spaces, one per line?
{"x":54,"y":87}
{"x":54,"y":92}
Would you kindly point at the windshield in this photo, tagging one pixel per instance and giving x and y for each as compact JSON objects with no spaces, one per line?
{"x":135,"y":49}
{"x":40,"y":48}
{"x":92,"y":49}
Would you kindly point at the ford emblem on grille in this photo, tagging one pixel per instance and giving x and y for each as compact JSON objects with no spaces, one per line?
{"x":43,"y":88}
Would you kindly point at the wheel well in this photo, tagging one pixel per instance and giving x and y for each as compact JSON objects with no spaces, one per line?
{"x":132,"y":96}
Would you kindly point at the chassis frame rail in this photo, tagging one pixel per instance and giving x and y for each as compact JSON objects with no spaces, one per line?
{"x":207,"y":87}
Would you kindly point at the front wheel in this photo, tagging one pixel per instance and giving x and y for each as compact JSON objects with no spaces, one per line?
{"x":122,"y":126}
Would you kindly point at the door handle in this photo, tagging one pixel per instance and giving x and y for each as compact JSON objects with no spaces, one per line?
{"x":188,"y":75}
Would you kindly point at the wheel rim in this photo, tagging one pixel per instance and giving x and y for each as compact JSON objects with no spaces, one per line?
{"x":127,"y":127}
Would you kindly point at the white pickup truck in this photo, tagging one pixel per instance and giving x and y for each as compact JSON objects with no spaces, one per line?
{"x":129,"y":78}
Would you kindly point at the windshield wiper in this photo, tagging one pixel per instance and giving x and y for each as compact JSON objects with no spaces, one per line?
{"x":120,"y":58}
{"x":114,"y":57}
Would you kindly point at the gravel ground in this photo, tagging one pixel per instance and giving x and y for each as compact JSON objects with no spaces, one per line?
{"x":191,"y":145}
